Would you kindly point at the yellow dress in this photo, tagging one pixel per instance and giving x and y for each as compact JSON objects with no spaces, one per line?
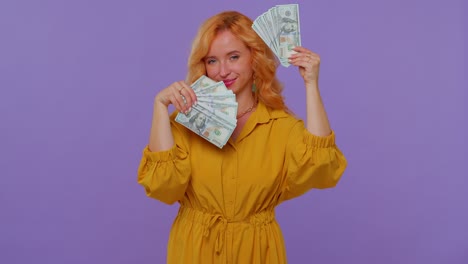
{"x":227,"y":196}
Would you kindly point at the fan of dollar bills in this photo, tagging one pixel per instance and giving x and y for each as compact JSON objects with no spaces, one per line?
{"x":279,"y":28}
{"x":214,"y":116}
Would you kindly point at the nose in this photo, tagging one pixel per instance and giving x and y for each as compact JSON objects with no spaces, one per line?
{"x":224,"y":70}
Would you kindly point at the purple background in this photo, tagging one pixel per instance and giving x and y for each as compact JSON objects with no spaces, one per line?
{"x":77,"y":82}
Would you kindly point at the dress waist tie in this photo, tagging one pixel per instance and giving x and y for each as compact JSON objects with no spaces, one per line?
{"x":210,"y":220}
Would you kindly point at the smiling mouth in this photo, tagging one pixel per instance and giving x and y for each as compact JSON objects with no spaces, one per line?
{"x":229,"y":82}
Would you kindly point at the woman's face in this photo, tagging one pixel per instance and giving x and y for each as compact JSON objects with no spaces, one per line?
{"x":229,"y":60}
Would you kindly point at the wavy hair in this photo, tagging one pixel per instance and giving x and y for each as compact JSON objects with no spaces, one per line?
{"x":264,"y":63}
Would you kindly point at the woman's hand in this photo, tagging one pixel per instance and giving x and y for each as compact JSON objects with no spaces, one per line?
{"x":308,"y":63}
{"x":178,"y":94}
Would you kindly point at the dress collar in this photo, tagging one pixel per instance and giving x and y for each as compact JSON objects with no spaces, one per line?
{"x":261,"y":115}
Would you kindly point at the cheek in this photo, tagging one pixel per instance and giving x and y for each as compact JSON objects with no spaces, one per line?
{"x":211,"y":71}
{"x":246,"y":69}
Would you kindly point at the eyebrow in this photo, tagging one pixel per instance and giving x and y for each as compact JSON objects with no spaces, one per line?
{"x":229,"y":53}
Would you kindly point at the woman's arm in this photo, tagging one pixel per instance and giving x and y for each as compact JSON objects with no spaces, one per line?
{"x":165,"y":170}
{"x":182,"y":97}
{"x":309,"y":65}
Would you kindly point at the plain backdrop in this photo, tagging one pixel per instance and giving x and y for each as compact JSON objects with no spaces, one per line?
{"x":77,"y":83}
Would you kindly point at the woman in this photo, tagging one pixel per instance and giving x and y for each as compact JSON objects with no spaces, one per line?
{"x":227,"y":196}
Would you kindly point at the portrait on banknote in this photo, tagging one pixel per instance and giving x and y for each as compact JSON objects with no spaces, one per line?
{"x":197,"y":123}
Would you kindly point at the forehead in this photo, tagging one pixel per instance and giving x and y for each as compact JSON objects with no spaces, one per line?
{"x":225,"y":42}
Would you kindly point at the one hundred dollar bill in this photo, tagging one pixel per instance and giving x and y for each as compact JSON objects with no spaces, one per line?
{"x":214,"y":88}
{"x":279,"y":28}
{"x":221,"y":116}
{"x":289,"y":31}
{"x":214,"y":116}
{"x":209,"y":127}
{"x":227,"y":96}
{"x":201,"y":82}
{"x":224,"y":106}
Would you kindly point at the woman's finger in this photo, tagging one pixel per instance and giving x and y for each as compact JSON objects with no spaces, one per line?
{"x":188,"y":94}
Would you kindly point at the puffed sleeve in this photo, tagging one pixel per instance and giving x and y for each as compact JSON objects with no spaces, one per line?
{"x":166,"y":174}
{"x":312,"y":162}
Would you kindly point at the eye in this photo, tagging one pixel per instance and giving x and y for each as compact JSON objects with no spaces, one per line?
{"x":234,"y":57}
{"x":210,"y":61}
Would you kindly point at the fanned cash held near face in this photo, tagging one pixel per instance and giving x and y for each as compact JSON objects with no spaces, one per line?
{"x":279,"y":28}
{"x":214,"y":116}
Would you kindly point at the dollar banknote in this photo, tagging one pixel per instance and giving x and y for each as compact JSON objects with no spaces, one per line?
{"x":228,"y":95}
{"x":214,"y":116}
{"x":223,"y":105}
{"x":289,"y":35}
{"x":218,"y":87}
{"x":279,"y":28}
{"x":209,"y":127}
{"x":201,"y":82}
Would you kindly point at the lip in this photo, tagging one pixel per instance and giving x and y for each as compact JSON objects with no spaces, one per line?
{"x":229,"y":82}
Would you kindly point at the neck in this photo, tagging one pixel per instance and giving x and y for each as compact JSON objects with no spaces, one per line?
{"x":246,"y":109}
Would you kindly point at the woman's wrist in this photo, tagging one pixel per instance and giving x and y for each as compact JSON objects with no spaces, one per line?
{"x":311,"y":84}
